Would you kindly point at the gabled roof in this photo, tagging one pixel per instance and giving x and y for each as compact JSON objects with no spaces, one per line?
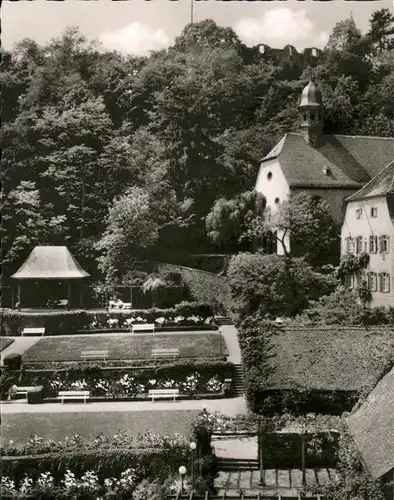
{"x":380,"y":185}
{"x":50,"y":262}
{"x":339,"y":162}
{"x":372,"y":427}
{"x":328,"y":358}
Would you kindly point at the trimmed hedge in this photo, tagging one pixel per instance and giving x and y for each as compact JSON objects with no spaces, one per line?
{"x":68,"y":322}
{"x":13,"y":361}
{"x":157,"y":463}
{"x":54,"y":322}
{"x":36,"y":395}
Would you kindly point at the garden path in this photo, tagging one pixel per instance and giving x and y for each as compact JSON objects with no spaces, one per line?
{"x":19,"y":346}
{"x":229,"y":407}
{"x":230,"y":335}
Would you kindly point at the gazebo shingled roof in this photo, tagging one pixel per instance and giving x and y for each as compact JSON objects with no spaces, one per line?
{"x":50,"y":262}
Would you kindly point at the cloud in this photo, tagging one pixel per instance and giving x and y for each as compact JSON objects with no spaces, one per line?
{"x":281,"y":26}
{"x":136,"y":38}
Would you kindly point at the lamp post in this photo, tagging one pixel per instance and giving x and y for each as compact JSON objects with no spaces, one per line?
{"x":182,"y":472}
{"x":193,"y":447}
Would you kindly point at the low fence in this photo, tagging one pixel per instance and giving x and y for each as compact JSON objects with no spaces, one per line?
{"x":244,"y":496}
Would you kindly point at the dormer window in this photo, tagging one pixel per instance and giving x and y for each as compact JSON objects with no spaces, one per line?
{"x":269,"y":176}
{"x":327,"y":171}
{"x":359,"y":213}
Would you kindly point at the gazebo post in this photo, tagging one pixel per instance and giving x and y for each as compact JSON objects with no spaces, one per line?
{"x":81,"y":298}
{"x":19,"y":295}
{"x":260,"y":446}
{"x":303,"y":459}
{"x":69,"y":295}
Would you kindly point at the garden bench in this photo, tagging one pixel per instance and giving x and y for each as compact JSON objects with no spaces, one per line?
{"x":94,"y":355}
{"x":165,"y":353}
{"x":64,"y":395}
{"x":33,"y":331}
{"x":63,"y":303}
{"x":163,"y":393}
{"x":145,"y":327}
{"x":20,"y":391}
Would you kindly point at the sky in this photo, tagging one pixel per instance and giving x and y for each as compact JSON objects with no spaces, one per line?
{"x":139,"y":26}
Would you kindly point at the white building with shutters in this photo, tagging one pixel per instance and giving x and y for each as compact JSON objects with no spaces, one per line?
{"x":368,"y":227}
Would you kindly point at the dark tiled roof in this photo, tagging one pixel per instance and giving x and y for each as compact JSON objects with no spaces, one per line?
{"x":380,"y":185}
{"x":340,"y":161}
{"x":329,"y":358}
{"x":372,"y":427}
{"x":50,"y":262}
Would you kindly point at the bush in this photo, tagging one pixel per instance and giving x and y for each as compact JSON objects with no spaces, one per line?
{"x":35,"y":395}
{"x":271,"y":286}
{"x":155,"y":462}
{"x":13,"y":361}
{"x":54,"y":322}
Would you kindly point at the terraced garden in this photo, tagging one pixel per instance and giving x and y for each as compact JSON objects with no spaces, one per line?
{"x":126,"y":347}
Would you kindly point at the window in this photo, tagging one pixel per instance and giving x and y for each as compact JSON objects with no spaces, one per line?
{"x":276,"y":200}
{"x":359,"y":213}
{"x":384,"y":285}
{"x":359,"y":244}
{"x":349,"y":245}
{"x":372,"y":281}
{"x":374,"y":212}
{"x":384,"y":244}
{"x":269,"y":176}
{"x":349,"y":281}
{"x":373,"y":244}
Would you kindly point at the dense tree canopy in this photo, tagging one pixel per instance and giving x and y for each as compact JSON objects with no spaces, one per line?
{"x":83,"y":128}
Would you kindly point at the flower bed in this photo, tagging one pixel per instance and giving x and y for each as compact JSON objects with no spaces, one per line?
{"x":164,"y":320}
{"x":191,"y":378}
{"x":61,"y":468}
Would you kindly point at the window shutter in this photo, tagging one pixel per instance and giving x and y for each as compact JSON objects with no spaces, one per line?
{"x":388,"y":244}
{"x":380,"y":244}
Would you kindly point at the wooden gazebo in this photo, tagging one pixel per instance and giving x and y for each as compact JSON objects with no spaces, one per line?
{"x":49,"y":276}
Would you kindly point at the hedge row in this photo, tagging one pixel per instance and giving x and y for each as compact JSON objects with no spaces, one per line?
{"x":66,"y":322}
{"x":156,"y":463}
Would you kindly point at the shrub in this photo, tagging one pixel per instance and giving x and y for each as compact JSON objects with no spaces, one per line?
{"x":54,"y":322}
{"x":36,"y":395}
{"x":271,"y":285}
{"x":13,"y":361}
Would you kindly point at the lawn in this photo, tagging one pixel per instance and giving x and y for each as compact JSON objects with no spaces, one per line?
{"x":125,"y":347}
{"x":5,"y":342}
{"x":21,"y":426}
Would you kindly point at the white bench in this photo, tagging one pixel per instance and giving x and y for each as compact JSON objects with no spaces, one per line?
{"x":101,"y":355}
{"x":165,"y":353}
{"x":20,"y":391}
{"x":144,"y":327}
{"x":62,"y":303}
{"x":33,"y":331}
{"x":65,"y":395}
{"x":163,"y":393}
